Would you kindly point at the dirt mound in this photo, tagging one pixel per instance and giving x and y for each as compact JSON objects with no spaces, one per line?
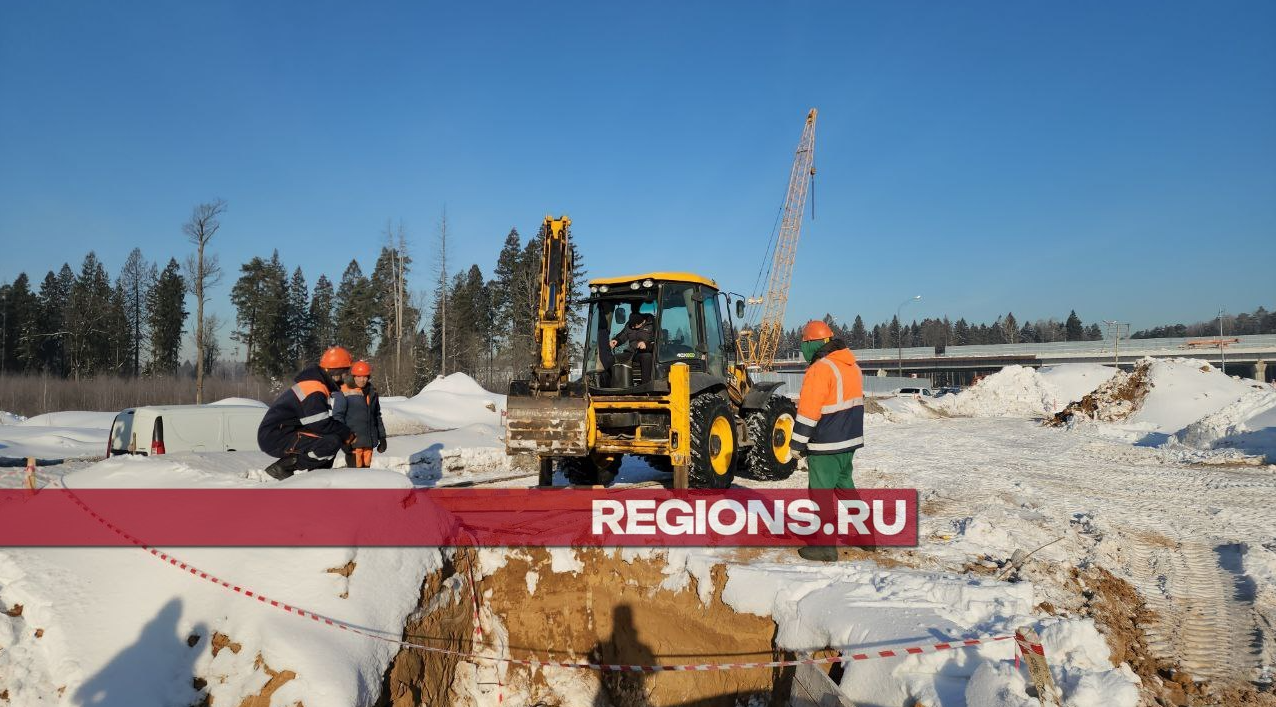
{"x":609,"y":611}
{"x":614,"y":611}
{"x":1115,"y":400}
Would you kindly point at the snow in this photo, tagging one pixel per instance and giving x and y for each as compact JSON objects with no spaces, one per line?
{"x":51,"y":443}
{"x":72,"y":418}
{"x":1074,"y":381}
{"x":1184,"y":391}
{"x":8,"y":418}
{"x":115,"y":621}
{"x":1247,"y":425}
{"x":859,"y":606}
{"x":1020,"y":391}
{"x":446,"y":403}
{"x":240,"y":401}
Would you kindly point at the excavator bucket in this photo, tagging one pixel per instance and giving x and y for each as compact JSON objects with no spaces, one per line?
{"x":549,"y":426}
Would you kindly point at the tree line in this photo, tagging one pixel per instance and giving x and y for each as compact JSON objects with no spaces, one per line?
{"x":85,"y":324}
{"x":942,"y":332}
{"x":1260,"y":321}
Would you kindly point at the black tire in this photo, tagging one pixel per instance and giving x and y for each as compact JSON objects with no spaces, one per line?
{"x":712,"y":428}
{"x":584,"y":471}
{"x":771,"y":429}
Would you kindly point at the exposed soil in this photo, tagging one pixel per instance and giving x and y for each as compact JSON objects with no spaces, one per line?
{"x":445,"y":619}
{"x":1115,"y":400}
{"x":615,"y":612}
{"x":1121,"y":615}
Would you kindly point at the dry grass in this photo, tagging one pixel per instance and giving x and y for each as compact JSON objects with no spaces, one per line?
{"x":29,"y":395}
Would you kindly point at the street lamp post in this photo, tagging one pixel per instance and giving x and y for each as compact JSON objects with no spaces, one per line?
{"x":899,"y":336}
{"x":1222,"y":357}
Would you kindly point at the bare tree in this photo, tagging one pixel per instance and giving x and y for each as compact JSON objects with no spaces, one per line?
{"x":397,"y":242}
{"x":441,"y":301}
{"x":204,"y":273}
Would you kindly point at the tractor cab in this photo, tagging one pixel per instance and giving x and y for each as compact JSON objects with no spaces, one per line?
{"x":642,"y":325}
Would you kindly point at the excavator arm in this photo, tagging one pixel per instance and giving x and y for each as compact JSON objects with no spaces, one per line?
{"x":546,"y":416}
{"x":550,"y":371}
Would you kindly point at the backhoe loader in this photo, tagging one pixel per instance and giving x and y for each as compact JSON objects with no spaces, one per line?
{"x":684,"y":401}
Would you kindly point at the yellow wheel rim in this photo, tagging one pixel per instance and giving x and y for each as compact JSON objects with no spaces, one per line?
{"x":720,"y":453}
{"x":782,"y":438}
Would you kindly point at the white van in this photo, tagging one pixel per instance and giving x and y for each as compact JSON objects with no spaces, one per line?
{"x":164,"y":429}
{"x":914,"y":393}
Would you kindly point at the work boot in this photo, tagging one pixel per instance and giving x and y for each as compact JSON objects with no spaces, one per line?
{"x":818,"y":553}
{"x":283,"y":468}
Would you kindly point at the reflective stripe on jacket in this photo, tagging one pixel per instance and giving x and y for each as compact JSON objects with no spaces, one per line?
{"x":831,"y":408}
{"x":304,"y":409}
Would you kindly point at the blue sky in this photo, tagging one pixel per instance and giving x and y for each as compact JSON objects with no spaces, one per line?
{"x":1119,"y":158}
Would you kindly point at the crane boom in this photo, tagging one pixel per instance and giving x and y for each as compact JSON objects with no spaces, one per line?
{"x":550,"y":373}
{"x":771,"y":326}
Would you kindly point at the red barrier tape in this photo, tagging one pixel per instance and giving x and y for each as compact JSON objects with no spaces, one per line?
{"x":535,"y":662}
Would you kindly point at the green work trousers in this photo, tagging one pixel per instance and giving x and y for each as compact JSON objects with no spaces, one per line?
{"x":830,"y":471}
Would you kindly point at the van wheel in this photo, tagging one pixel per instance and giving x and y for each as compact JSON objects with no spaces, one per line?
{"x":713,"y":443}
{"x":771,"y":429}
{"x":594,"y":470}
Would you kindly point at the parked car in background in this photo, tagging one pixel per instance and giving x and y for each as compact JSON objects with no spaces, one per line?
{"x":947,"y":390}
{"x":914,"y":393}
{"x":165,"y":429}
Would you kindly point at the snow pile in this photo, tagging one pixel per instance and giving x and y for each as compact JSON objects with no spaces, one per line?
{"x":1184,"y":390}
{"x":1074,"y":381}
{"x":858,"y":607}
{"x":1154,"y":404}
{"x":240,"y":401}
{"x":118,"y":626}
{"x":1014,"y":391}
{"x":444,"y":404}
{"x":901,"y":409}
{"x":72,"y":418}
{"x":1018,"y":391}
{"x":1247,"y":425}
{"x":8,"y":418}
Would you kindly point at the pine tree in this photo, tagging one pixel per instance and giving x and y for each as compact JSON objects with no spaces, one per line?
{"x":1094,"y":333}
{"x":133,"y":280}
{"x":87,"y":316}
{"x":119,"y":333}
{"x":961,"y":333}
{"x":1010,"y":329}
{"x":1072,"y":327}
{"x":260,"y":296}
{"x":166,"y":319}
{"x":301,"y":336}
{"x":21,"y":313}
{"x":247,"y":295}
{"x":52,"y":301}
{"x":323,"y":329}
{"x":859,"y":335}
{"x":354,"y":316}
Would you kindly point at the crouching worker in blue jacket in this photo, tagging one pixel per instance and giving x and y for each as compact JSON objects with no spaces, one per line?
{"x":299,"y":427}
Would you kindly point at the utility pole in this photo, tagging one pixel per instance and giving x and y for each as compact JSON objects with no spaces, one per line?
{"x":899,"y":337}
{"x":1222,"y":357}
{"x":1114,"y":329}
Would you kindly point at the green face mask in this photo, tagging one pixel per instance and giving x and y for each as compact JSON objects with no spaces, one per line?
{"x":809,"y":348}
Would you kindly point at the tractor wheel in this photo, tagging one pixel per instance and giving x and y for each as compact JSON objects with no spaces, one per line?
{"x":591,"y":470}
{"x":771,"y":430}
{"x":713,"y":443}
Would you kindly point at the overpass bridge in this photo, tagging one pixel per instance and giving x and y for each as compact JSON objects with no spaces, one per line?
{"x":1246,"y":356}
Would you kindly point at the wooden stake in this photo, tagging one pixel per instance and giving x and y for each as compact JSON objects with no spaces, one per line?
{"x":1034,"y":657}
{"x":30,"y":481}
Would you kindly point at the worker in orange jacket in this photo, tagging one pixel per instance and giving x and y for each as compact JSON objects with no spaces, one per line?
{"x":830,"y":420}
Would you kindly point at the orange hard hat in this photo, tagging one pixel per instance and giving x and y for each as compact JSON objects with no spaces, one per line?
{"x":361,"y":368}
{"x":816,"y":330}
{"x":335,"y":357}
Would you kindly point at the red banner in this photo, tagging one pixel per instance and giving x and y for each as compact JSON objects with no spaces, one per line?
{"x":481,"y":517}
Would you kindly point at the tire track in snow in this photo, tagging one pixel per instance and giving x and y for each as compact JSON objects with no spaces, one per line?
{"x":1168,"y":527}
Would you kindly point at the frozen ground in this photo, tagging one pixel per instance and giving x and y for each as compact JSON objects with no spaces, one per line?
{"x":1196,"y":540}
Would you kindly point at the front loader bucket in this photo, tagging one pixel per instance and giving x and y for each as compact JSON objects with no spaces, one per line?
{"x":549,"y":426}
